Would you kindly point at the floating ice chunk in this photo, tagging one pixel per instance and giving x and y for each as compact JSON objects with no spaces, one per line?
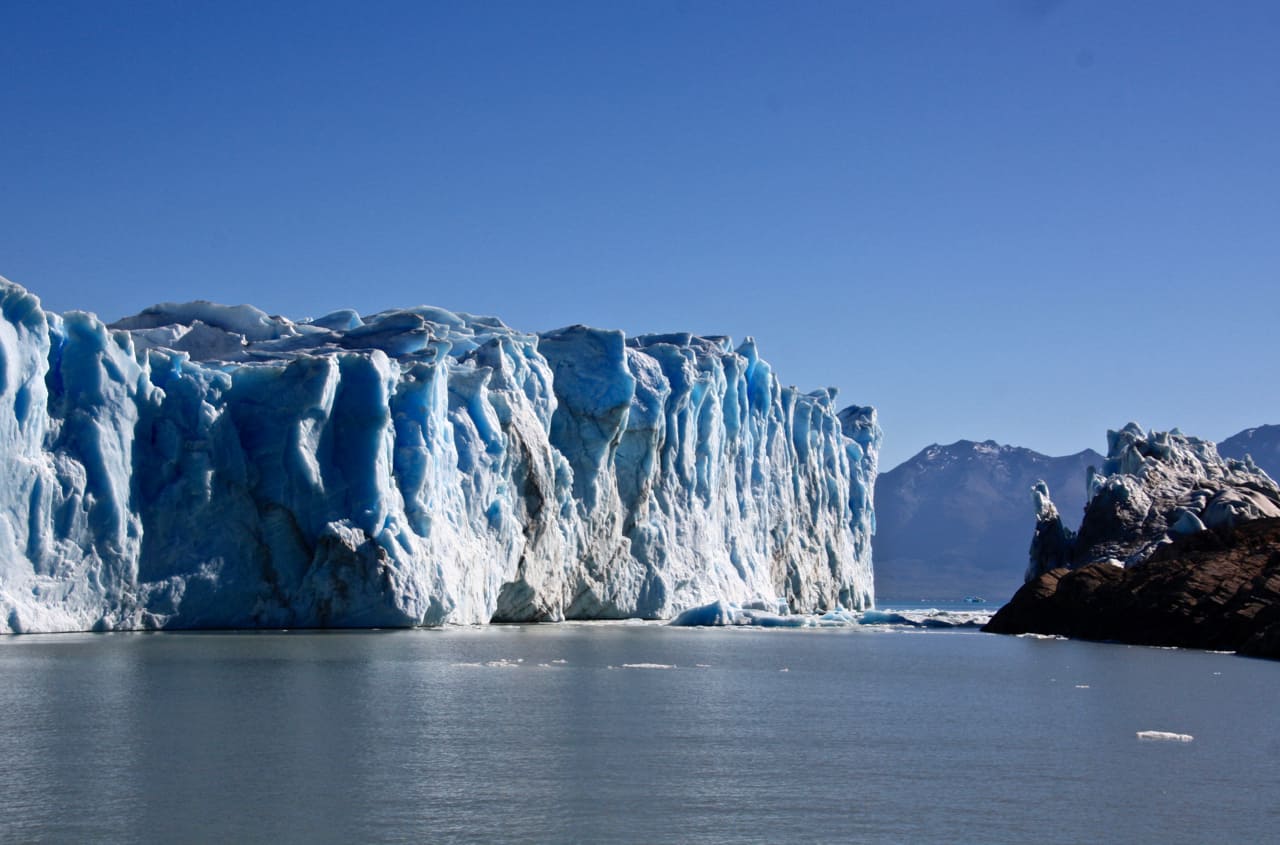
{"x":716,"y":614}
{"x":1163,"y":736}
{"x":839,"y":616}
{"x":881,"y":617}
{"x":762,"y":619}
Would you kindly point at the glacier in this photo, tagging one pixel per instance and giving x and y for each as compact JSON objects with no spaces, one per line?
{"x":208,"y":466}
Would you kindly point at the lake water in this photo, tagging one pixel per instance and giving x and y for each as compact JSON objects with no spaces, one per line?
{"x":573,"y":733}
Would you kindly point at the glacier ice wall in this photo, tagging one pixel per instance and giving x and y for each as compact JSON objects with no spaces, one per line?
{"x":200,"y":465}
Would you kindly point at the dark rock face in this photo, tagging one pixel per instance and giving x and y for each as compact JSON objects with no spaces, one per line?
{"x":1216,"y":589}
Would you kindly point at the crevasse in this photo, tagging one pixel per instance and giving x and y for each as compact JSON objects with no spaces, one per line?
{"x":200,"y":465}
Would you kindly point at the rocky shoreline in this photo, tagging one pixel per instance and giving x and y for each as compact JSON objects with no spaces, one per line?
{"x":1217,"y":590}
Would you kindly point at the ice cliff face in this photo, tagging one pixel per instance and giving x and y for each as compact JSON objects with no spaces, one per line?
{"x":1153,"y":488}
{"x":200,"y":465}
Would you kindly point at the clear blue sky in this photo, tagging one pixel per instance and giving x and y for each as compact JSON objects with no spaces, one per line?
{"x":1022,"y":220}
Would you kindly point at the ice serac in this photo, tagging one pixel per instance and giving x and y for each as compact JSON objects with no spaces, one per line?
{"x":200,"y":465}
{"x":1051,"y":544}
{"x":1153,"y":487}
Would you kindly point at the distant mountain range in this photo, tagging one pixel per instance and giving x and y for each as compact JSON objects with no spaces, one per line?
{"x":1263,"y":443}
{"x":957,"y":520}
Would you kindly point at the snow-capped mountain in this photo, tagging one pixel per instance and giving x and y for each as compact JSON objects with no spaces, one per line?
{"x":952,"y":520}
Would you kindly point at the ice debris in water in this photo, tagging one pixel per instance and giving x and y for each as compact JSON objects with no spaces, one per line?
{"x":727,"y":614}
{"x":201,"y":465}
{"x":926,"y":618}
{"x":1164,"y":736}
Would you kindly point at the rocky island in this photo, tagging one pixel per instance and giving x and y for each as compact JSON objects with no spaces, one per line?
{"x":1178,"y":547}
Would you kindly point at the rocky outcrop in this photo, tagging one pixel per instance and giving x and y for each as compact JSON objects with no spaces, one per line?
{"x":1153,"y":488}
{"x":1216,"y":589}
{"x":1178,"y":547}
{"x":1052,"y":543}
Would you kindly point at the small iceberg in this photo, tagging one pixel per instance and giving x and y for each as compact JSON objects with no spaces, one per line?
{"x":883,"y":617}
{"x":1163,"y":736}
{"x":837,"y":618}
{"x":707,"y":616}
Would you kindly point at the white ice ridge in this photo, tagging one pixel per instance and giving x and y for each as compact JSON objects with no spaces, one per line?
{"x":200,"y":465}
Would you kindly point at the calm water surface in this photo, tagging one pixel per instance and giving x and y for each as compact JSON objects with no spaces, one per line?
{"x":540,"y":734}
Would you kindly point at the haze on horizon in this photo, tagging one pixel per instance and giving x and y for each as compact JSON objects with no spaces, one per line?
{"x":1022,"y":220}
